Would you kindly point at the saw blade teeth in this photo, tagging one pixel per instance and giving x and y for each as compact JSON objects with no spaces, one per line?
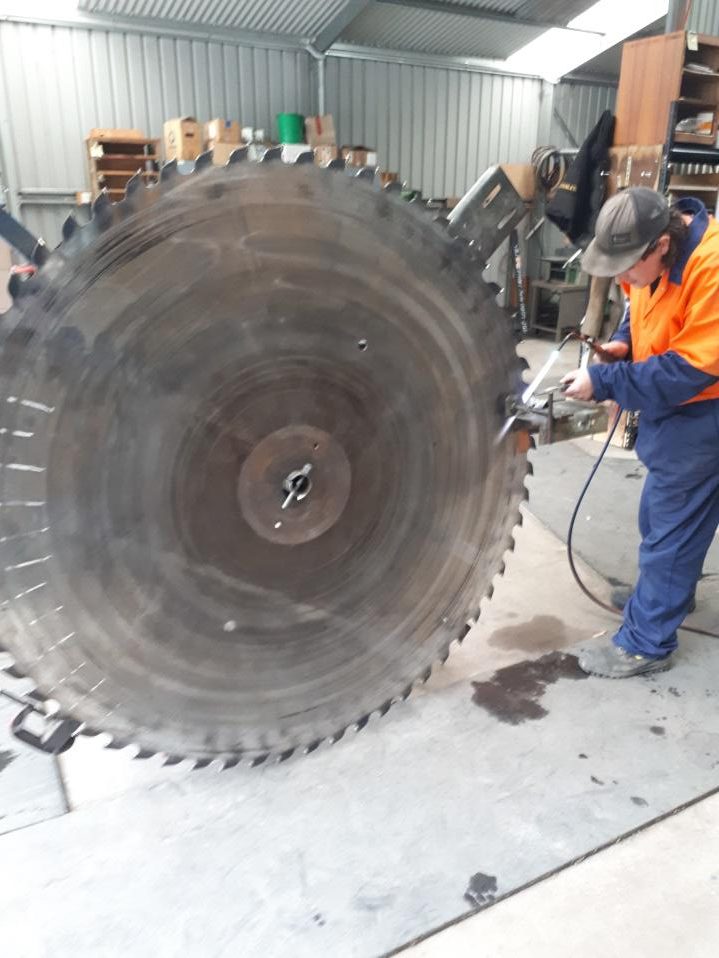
{"x":394,"y":187}
{"x":16,"y":286}
{"x":237,"y":156}
{"x":335,"y":165}
{"x":203,"y":162}
{"x":133,"y":185}
{"x":40,"y":254}
{"x":305,"y":158}
{"x":101,"y":205}
{"x":231,"y":762}
{"x":365,"y":173}
{"x":171,"y":760}
{"x":361,"y":723}
{"x":284,"y":756}
{"x":384,"y":708}
{"x":144,"y":753}
{"x":259,"y":760}
{"x":69,"y":227}
{"x":334,"y":739}
{"x":271,"y":154}
{"x":313,"y":746}
{"x":424,"y":677}
{"x":202,"y":763}
{"x":168,"y":172}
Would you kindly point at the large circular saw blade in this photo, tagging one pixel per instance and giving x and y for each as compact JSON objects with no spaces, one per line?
{"x":250,"y":489}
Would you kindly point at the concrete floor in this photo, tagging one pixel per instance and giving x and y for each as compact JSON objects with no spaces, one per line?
{"x":655,"y":894}
{"x":503,"y":771}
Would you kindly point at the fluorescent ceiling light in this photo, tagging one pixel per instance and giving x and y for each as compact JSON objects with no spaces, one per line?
{"x":558,"y":51}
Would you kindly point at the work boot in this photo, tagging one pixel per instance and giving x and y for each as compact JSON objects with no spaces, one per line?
{"x":610,"y":661}
{"x":620,"y":597}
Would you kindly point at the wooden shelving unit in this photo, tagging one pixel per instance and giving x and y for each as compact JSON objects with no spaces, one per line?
{"x":663,"y":81}
{"x":115,"y":156}
{"x":656,"y":76}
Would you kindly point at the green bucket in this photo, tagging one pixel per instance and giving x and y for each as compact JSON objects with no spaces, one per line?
{"x":291,"y":127}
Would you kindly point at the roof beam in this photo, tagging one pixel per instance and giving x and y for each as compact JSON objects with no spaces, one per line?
{"x":481,"y":13}
{"x":333,"y":30}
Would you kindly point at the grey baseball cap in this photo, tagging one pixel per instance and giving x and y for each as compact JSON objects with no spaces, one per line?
{"x":627,"y":225}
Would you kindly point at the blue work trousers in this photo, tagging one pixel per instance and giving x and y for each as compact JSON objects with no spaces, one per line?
{"x":678,"y":518}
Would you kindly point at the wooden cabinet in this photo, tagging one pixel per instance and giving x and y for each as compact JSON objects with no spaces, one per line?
{"x":666,"y":82}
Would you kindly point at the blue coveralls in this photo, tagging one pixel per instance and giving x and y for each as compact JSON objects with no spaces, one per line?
{"x":679,"y":445}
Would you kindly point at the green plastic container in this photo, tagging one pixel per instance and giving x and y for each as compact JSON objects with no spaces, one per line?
{"x":291,"y":127}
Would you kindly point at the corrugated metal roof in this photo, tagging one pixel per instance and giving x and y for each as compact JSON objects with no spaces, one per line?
{"x":560,"y":10}
{"x":302,"y":18}
{"x":426,"y":31}
{"x":385,"y":25}
{"x":496,"y":6}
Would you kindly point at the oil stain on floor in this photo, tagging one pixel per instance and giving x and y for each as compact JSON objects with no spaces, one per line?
{"x":543,"y":633}
{"x":513,"y":693}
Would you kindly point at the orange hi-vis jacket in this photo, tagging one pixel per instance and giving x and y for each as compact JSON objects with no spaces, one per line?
{"x":674,"y":331}
{"x":683,"y":318}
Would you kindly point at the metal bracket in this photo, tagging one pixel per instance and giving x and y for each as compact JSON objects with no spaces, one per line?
{"x":21,"y":239}
{"x":40,"y":731}
{"x":488,"y":213}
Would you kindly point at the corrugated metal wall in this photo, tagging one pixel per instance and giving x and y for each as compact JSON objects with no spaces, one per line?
{"x":577,"y":107}
{"x":439,"y":128}
{"x":704,"y":17}
{"x":60,"y":82}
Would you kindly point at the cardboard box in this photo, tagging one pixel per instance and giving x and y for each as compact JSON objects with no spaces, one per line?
{"x":221,"y":152}
{"x":222,"y":131}
{"x":522,"y":178}
{"x":320,"y":130}
{"x":183,"y":138}
{"x":325,"y":154}
{"x":359,"y":156}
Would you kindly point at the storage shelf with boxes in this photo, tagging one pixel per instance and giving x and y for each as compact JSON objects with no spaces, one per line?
{"x":115,"y":155}
{"x":185,"y":138}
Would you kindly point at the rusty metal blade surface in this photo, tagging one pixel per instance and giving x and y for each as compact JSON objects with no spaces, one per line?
{"x":258,"y":336}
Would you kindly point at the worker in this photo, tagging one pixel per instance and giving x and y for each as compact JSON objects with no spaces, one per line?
{"x":667,"y":261}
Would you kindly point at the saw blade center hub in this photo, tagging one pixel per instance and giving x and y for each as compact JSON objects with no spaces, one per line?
{"x":297,"y":485}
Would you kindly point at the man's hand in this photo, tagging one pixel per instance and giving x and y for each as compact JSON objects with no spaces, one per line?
{"x":580,"y":385}
{"x":616,"y":349}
